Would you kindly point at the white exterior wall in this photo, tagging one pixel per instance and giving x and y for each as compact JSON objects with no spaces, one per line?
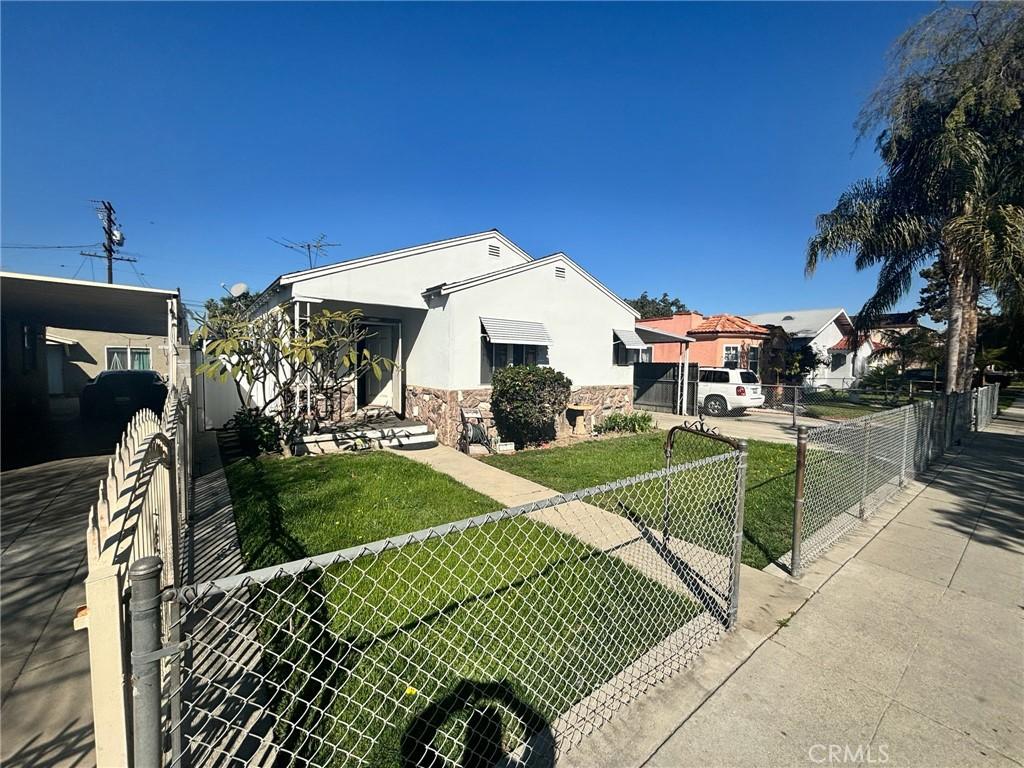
{"x":844,"y":375}
{"x":579,"y":317}
{"x":400,"y":281}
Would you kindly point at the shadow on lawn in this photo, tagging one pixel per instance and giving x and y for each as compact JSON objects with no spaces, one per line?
{"x":484,"y":737}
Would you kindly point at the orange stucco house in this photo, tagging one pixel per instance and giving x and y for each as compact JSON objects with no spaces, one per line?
{"x":719,"y":339}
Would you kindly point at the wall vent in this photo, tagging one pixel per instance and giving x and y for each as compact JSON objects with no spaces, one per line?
{"x":560,"y":272}
{"x":494,"y":250}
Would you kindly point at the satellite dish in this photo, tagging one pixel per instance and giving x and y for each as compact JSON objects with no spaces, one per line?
{"x":238,"y":289}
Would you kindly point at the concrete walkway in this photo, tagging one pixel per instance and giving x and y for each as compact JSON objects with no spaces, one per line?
{"x":902,"y":646}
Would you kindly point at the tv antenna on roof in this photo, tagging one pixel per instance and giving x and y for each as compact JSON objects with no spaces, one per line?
{"x":313,"y":250}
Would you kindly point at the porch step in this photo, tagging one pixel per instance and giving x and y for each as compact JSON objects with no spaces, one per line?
{"x":407,"y":435}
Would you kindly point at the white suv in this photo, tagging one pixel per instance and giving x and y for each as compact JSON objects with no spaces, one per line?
{"x":722,"y":391}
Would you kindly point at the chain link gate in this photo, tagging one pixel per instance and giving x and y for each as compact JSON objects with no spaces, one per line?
{"x":515,"y":632}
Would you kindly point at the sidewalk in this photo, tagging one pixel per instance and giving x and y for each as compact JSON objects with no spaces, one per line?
{"x":905,"y":647}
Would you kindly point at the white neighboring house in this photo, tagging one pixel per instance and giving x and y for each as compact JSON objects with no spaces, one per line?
{"x":451,"y":311}
{"x":830,"y":332}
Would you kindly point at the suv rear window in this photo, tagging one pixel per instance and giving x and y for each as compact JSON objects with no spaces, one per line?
{"x":748,"y":377}
{"x":714,"y":377}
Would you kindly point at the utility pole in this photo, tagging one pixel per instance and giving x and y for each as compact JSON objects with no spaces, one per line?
{"x":112,"y":237}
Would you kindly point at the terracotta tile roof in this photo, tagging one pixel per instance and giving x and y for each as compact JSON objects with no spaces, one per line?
{"x":845,"y":344}
{"x":729,"y":324}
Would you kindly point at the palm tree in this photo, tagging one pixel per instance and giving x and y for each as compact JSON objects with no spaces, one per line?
{"x":988,"y":357}
{"x":905,"y":349}
{"x":953,"y":191}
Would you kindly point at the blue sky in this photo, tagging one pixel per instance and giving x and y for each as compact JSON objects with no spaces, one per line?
{"x":683,"y":148}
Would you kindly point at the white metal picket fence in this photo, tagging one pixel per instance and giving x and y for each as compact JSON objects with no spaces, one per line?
{"x":140,"y":510}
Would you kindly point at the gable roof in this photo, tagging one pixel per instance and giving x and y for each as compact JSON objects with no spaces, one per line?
{"x":894,"y":319}
{"x":802,"y":323}
{"x":726,"y":323}
{"x":471,"y":282}
{"x":401,"y":253}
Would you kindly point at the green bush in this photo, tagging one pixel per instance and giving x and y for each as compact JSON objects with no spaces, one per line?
{"x":257,"y":433}
{"x":635,"y":422}
{"x":527,"y":400}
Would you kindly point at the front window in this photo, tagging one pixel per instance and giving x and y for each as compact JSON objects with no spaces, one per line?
{"x":133,"y":358}
{"x":624,"y":355}
{"x":731,"y":356}
{"x":754,"y":359}
{"x":504,"y":355}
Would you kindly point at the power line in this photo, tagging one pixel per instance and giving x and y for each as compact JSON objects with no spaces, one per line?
{"x":29,"y":247}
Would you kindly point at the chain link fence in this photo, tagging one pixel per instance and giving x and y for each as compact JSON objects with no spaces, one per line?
{"x":847,"y":470}
{"x":511,"y":633}
{"x":838,"y":405}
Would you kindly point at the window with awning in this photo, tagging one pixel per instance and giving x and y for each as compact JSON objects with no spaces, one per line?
{"x":627,"y":346}
{"x":511,"y":342}
{"x":500,"y":331}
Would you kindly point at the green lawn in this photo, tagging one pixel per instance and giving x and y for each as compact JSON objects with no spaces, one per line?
{"x":767,"y":524}
{"x":514,"y":603}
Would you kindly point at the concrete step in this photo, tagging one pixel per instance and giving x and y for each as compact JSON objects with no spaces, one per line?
{"x":414,"y":436}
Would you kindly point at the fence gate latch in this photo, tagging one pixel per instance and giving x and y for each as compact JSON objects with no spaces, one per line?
{"x":168,"y":650}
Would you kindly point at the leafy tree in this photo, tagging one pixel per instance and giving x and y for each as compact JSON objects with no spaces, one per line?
{"x":272,"y":360}
{"x":952,"y":140}
{"x":651,"y":307}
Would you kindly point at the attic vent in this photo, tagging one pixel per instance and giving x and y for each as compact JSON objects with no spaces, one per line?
{"x":494,"y":250}
{"x":788,"y":317}
{"x":560,"y":272}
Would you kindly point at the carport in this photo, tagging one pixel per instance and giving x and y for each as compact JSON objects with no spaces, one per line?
{"x":31,"y":303}
{"x":46,"y":714}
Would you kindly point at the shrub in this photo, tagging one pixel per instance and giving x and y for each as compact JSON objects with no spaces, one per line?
{"x":257,"y":433}
{"x":527,"y":400}
{"x":635,"y":422}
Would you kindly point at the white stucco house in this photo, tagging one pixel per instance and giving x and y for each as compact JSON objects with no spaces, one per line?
{"x":450,"y":312}
{"x":830,"y":332}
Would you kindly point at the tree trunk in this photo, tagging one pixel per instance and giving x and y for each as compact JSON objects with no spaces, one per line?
{"x":969,"y":331}
{"x":954,"y":325}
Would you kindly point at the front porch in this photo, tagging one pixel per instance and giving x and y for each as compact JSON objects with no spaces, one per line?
{"x":370,"y":428}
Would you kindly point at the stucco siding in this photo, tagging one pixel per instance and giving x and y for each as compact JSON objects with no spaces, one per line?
{"x":401,"y":281}
{"x":578,"y":316}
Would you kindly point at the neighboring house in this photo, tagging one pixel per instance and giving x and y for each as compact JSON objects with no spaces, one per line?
{"x":76,"y":356}
{"x":894,"y":322}
{"x":831,"y":334}
{"x":450,"y":312}
{"x":718,"y":340}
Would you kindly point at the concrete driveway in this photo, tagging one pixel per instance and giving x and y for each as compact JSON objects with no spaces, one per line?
{"x":754,"y":424}
{"x":46,"y":711}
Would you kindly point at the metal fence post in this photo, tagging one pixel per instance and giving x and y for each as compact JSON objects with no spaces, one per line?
{"x":864,"y":480}
{"x":906,"y":444}
{"x":737,"y":544}
{"x":144,"y":575}
{"x":795,"y":566}
{"x":796,"y":400}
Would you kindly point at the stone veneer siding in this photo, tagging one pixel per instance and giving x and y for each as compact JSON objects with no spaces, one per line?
{"x":439,"y":408}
